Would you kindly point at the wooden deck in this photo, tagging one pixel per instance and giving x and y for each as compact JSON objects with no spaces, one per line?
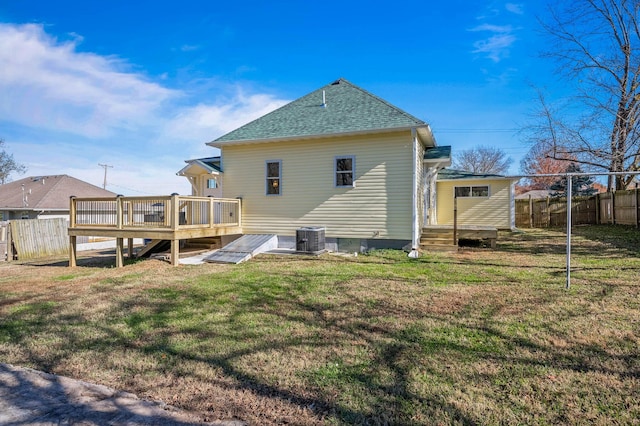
{"x":172,"y":218}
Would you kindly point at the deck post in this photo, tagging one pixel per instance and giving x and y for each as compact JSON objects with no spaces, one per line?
{"x":119,"y":252}
{"x":175,"y":252}
{"x":130,"y":248}
{"x":73,"y":254}
{"x":119,"y":211}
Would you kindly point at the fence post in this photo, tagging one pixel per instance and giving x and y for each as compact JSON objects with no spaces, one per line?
{"x":9,"y":243}
{"x":637,"y":214}
{"x":613,"y":207}
{"x":530,"y":211}
{"x":548,"y":211}
{"x":598,"y":208}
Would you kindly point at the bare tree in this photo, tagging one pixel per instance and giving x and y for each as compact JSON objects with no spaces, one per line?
{"x":483,"y":159}
{"x":8,"y":165}
{"x":596,"y":44}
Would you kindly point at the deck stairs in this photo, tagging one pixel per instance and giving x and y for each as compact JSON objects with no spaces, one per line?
{"x":437,"y":239}
{"x":244,"y":248}
{"x":160,"y":249}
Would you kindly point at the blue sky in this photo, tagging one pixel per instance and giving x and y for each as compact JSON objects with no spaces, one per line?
{"x":143,"y":85}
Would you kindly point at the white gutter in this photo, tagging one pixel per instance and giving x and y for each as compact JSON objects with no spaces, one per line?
{"x":415,"y":231}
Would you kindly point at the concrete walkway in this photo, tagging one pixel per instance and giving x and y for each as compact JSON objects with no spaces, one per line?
{"x":30,"y":397}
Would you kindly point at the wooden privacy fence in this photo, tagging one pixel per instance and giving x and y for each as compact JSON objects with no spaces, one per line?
{"x":4,"y":237}
{"x":619,"y":207}
{"x":35,"y":238}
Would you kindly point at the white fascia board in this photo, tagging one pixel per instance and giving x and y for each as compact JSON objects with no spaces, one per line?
{"x":323,"y":136}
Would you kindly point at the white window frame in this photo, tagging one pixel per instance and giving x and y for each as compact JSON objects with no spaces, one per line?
{"x":336,"y":171}
{"x":215,"y":183}
{"x":471,"y":188}
{"x":268,"y":178}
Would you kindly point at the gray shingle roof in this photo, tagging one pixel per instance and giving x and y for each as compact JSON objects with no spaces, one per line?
{"x":47,"y":192}
{"x":348,"y":109}
{"x":438,"y":153}
{"x":452,"y":174}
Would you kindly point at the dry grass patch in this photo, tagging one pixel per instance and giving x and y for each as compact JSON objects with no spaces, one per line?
{"x":475,"y":337}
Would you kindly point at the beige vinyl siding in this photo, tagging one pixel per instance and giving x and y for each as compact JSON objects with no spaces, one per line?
{"x":379,"y":206}
{"x":487,"y":211}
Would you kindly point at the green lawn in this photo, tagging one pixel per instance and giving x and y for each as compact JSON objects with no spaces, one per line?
{"x":476,"y":337}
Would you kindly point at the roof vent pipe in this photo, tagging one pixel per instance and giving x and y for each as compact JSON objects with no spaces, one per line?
{"x":324,"y":99}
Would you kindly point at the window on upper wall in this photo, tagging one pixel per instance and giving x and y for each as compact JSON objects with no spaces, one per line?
{"x":472,"y":191}
{"x":212,"y":184}
{"x":344,"y":170}
{"x":274,"y":177}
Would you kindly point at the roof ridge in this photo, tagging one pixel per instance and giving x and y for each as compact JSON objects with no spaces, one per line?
{"x":403,"y":112}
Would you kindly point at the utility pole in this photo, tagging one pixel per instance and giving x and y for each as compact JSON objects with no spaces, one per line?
{"x":105,"y":166}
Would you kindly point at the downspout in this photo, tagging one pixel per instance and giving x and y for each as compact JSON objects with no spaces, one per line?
{"x":415,"y":232}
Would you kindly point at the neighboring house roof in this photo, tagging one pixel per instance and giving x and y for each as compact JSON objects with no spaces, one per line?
{"x":339,"y":107}
{"x":46,"y":192}
{"x":209,"y":164}
{"x":452,"y":174}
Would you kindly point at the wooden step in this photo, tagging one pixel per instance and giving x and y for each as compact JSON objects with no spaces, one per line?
{"x":438,"y":247}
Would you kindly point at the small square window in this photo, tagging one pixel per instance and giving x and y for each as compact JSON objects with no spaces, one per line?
{"x":212,"y":184}
{"x":344,"y":171}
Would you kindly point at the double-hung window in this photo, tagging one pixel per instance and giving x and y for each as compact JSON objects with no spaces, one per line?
{"x":472,"y":191}
{"x":274,"y":177}
{"x":344,"y":170}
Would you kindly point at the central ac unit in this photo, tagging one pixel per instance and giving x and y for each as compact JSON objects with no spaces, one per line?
{"x":310,"y":240}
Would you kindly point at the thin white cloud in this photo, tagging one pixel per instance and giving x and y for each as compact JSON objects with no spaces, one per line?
{"x":493,"y":28}
{"x":499,"y":42}
{"x":205,"y":122}
{"x":495,"y":47}
{"x":49,"y":84}
{"x":517,"y":8}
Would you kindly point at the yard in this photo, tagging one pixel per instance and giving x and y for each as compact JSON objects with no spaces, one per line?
{"x":475,"y":337}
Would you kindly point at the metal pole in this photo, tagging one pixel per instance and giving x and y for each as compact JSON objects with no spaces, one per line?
{"x":569,"y":195}
{"x":455,"y":219}
{"x":105,"y":166}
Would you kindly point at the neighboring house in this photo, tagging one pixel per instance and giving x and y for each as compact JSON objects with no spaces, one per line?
{"x":205,"y":176}
{"x":482,"y":199}
{"x":339,"y":158}
{"x":44,"y":197}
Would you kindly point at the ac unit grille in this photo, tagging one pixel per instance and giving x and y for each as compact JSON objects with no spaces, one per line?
{"x":310,"y":240}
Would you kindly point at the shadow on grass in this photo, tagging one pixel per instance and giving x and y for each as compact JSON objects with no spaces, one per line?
{"x":404,"y":347}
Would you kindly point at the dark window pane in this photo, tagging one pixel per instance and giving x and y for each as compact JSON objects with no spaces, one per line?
{"x":344,"y":179}
{"x":463,"y":191}
{"x":273,"y":170}
{"x":344,"y":164}
{"x":480,"y":191}
{"x":273,"y":186}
